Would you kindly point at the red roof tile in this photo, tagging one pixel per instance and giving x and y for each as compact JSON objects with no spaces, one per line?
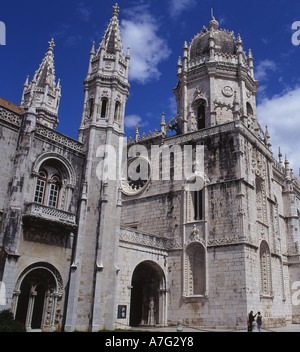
{"x":11,"y":106}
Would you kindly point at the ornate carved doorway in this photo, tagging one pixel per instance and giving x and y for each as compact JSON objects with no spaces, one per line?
{"x":36,"y":295}
{"x":148,"y":295}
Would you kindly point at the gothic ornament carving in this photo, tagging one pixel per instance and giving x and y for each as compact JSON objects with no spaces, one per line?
{"x":135,"y":176}
{"x":200,"y":97}
{"x":227,"y":91}
{"x":196,"y":236}
{"x":221,"y":105}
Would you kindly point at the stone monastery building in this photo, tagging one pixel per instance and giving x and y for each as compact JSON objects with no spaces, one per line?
{"x":82,"y":250}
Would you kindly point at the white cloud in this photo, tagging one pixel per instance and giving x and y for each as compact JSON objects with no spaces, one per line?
{"x":172,"y":105}
{"x":140,"y":32}
{"x":263,"y":68}
{"x":131,"y":121}
{"x":83,"y":12}
{"x":282,"y":115}
{"x":176,"y":7}
{"x":72,"y":40}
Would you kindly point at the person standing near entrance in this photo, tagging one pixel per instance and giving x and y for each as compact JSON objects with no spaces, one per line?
{"x":259,"y":321}
{"x":251,"y":319}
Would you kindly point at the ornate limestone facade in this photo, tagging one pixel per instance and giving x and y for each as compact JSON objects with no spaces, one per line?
{"x":82,"y":250}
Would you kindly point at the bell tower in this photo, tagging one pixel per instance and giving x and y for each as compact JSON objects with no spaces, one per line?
{"x":106,"y":85}
{"x":94,"y":271}
{"x":216,"y":81}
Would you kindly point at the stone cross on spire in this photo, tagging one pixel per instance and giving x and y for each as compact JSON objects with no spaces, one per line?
{"x":116,"y":10}
{"x":51,"y":45}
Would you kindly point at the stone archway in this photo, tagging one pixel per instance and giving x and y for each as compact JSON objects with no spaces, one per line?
{"x":36,"y":295}
{"x":148,"y":295}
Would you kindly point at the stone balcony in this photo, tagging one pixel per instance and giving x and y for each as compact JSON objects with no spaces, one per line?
{"x":43,"y":212}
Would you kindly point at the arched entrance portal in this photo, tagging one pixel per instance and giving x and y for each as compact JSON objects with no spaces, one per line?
{"x":148,"y":295}
{"x":36,"y":295}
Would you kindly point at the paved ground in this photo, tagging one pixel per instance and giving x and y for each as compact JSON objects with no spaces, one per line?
{"x":289,"y":328}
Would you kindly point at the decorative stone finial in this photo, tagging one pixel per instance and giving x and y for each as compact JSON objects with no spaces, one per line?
{"x":213,"y":24}
{"x":279,"y":156}
{"x":163,"y":123}
{"x":239,"y":39}
{"x":51,"y":45}
{"x":137,"y":135}
{"x":92,"y":52}
{"x":116,"y":10}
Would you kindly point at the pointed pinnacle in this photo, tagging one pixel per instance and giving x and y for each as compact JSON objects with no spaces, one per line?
{"x":116,"y":10}
{"x":51,"y":45}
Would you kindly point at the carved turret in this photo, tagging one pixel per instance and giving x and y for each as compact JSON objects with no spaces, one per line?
{"x":216,"y":81}
{"x":42,"y":95}
{"x":106,"y":84}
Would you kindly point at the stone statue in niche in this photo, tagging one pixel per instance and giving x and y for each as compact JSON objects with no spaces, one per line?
{"x":195,"y":234}
{"x":151,"y":317}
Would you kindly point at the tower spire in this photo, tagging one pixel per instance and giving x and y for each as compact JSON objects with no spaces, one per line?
{"x":42,"y":94}
{"x":104,"y":103}
{"x":111,"y":40}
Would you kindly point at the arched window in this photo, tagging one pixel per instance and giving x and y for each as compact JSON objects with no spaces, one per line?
{"x":196,"y":271}
{"x":195,"y":205}
{"x":48,"y":185}
{"x":54,"y":191}
{"x":201,"y":117}
{"x":40,"y":187}
{"x":259,"y":199}
{"x":104,"y":102}
{"x":117,"y":111}
{"x":198,"y":204}
{"x":249,"y":110}
{"x":54,"y":181}
{"x":91,"y":107}
{"x":265,"y":269}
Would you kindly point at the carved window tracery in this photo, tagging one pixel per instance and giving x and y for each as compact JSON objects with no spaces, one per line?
{"x":48,"y":186}
{"x":53,"y":185}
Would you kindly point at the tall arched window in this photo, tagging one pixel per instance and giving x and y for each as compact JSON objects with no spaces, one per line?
{"x":54,"y":181}
{"x":40,"y":187}
{"x":48,"y":185}
{"x":249,"y":110}
{"x":104,"y":102}
{"x":259,"y":199}
{"x":91,"y":107}
{"x":54,"y":191}
{"x":117,"y":111}
{"x":265,"y":269}
{"x":195,"y":205}
{"x":196,"y":270}
{"x":201,"y":117}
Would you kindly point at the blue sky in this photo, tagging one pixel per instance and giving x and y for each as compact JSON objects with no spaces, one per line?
{"x":164,"y":25}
